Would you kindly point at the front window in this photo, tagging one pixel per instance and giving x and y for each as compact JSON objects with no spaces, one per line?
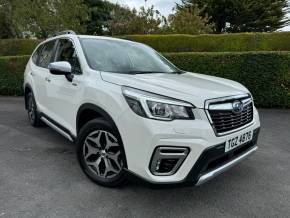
{"x":124,"y":57}
{"x":66,"y":52}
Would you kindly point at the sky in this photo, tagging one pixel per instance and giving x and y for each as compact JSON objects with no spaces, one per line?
{"x":164,"y":6}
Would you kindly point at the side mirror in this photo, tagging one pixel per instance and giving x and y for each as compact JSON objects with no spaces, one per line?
{"x":61,"y":68}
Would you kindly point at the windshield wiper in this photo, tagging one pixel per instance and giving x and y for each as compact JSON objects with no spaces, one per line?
{"x":143,"y":72}
{"x":177,"y":72}
{"x":150,"y":72}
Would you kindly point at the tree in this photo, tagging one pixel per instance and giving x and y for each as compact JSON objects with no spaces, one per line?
{"x":242,"y":15}
{"x":189,"y":21}
{"x":99,"y":16}
{"x":122,"y":20}
{"x":260,"y":16}
{"x":6,"y":23}
{"x":125,"y":21}
{"x":44,"y":17}
{"x":150,"y":20}
{"x":41,"y":18}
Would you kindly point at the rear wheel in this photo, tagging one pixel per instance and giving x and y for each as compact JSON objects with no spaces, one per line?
{"x":100,"y":153}
{"x":33,"y":115}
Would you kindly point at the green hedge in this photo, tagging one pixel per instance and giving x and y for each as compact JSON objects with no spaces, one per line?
{"x":13,"y":47}
{"x":11,"y":74}
{"x":266,"y":74}
{"x":181,"y":43}
{"x":216,"y":42}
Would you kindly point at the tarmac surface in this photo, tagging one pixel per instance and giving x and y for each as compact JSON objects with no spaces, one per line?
{"x":40,"y":177}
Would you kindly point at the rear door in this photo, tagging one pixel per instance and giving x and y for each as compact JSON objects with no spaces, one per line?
{"x":40,"y":73}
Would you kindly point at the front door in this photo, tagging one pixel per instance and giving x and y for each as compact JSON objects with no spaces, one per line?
{"x":63,"y":95}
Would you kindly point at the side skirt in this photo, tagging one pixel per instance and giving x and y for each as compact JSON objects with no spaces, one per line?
{"x":57,"y":127}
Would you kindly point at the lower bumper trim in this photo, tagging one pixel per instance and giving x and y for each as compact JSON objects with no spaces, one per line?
{"x":209,"y":175}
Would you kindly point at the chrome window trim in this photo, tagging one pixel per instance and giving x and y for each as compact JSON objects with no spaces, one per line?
{"x":220,"y":100}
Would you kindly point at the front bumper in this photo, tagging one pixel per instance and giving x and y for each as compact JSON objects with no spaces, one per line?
{"x":214,"y":160}
{"x":213,"y":173}
{"x":206,"y":158}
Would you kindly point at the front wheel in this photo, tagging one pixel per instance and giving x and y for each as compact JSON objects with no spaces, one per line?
{"x":100,"y":153}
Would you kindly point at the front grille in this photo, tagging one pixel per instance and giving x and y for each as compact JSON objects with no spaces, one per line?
{"x":224,"y":120}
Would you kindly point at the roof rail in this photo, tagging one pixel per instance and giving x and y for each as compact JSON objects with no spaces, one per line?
{"x":64,"y":32}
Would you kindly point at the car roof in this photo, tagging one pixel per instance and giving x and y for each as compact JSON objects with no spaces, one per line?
{"x":90,"y":37}
{"x":106,"y":38}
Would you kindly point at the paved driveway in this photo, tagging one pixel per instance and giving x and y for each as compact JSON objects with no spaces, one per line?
{"x":40,"y":177}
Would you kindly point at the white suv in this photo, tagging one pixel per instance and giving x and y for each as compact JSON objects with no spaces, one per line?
{"x":131,"y":111}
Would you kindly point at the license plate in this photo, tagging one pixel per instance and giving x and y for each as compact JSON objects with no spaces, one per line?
{"x":238,"y":140}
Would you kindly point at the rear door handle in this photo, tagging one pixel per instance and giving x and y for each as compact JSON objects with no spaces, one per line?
{"x":32,"y":74}
{"x":47,"y":79}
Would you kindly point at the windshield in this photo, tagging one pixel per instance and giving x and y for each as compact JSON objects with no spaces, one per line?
{"x":124,"y":57}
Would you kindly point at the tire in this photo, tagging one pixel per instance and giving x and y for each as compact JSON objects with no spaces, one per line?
{"x":33,"y":115}
{"x":100,"y":153}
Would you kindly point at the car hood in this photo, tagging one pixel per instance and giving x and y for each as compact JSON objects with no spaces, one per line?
{"x":191,"y":87}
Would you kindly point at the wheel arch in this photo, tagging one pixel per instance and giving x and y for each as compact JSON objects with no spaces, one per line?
{"x":91,"y":111}
{"x":87,"y":112}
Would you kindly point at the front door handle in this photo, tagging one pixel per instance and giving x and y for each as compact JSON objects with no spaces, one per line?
{"x":47,"y":79}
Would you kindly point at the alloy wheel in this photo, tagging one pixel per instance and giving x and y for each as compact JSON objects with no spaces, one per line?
{"x":102,"y":154}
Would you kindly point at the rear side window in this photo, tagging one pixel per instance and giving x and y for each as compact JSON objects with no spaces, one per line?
{"x":36,"y":55}
{"x":46,"y":54}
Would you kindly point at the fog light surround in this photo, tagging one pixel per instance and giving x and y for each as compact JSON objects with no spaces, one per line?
{"x":166,"y":160}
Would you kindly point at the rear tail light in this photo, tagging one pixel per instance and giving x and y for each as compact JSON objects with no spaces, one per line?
{"x":167,"y":160}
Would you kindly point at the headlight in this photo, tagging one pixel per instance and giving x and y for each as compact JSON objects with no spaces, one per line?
{"x":155,"y":106}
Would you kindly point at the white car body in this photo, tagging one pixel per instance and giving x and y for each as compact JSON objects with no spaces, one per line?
{"x":61,"y":100}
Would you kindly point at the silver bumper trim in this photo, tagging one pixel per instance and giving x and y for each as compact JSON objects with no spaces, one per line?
{"x":204,"y":178}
